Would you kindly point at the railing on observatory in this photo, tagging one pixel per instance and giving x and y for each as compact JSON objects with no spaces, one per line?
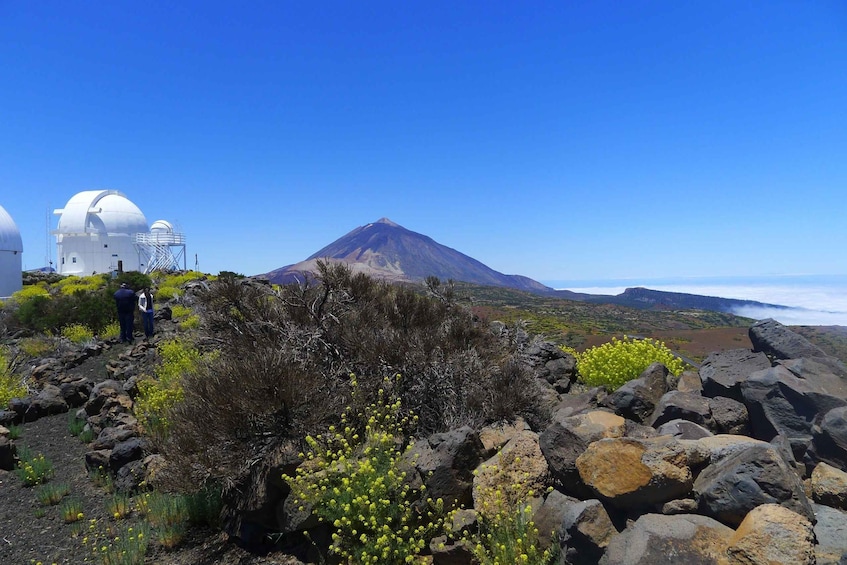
{"x":160,"y":251}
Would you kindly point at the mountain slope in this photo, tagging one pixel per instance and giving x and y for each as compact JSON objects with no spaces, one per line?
{"x":390,"y":251}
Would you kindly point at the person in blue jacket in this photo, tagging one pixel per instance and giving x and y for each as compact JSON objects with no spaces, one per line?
{"x":125,"y":301}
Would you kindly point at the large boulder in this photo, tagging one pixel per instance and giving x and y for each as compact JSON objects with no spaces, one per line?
{"x":655,"y":539}
{"x":774,"y":535}
{"x":637,"y":398}
{"x":586,"y":531}
{"x":781,"y":403}
{"x":551,"y":363}
{"x":675,"y":405}
{"x":733,"y":485}
{"x":774,"y":339}
{"x":829,"y":440}
{"x":829,"y":486}
{"x":519,"y":462}
{"x":446,"y":463}
{"x":722,"y":373}
{"x":636,"y":473}
{"x":683,"y":429}
{"x":831,"y":535}
{"x":48,"y":402}
{"x":566,"y":438}
{"x":729,"y":416}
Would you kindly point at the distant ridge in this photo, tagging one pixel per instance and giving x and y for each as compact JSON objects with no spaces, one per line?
{"x":387,"y":250}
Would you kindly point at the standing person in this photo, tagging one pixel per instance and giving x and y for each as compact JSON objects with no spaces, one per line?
{"x":145,"y":304}
{"x":125,"y":301}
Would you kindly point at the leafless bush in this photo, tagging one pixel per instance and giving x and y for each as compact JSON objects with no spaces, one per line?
{"x":286,"y":356}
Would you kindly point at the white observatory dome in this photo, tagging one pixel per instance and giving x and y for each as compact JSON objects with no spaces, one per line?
{"x":101,"y":211}
{"x":96,"y":233}
{"x":10,"y":235}
{"x":162,"y":226}
{"x":11,"y":248}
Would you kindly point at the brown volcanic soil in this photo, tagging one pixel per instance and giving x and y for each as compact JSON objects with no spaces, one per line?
{"x":31,"y":532}
{"x":694,"y":344}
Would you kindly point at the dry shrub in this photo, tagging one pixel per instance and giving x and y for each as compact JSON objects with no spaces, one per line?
{"x":287,"y":354}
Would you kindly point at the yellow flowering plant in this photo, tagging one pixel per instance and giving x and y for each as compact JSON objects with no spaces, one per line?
{"x":354,"y":480}
{"x":618,"y":361}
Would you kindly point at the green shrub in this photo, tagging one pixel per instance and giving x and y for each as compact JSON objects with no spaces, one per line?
{"x":190,"y":323}
{"x":156,"y":397}
{"x":354,"y":482}
{"x":77,"y":333}
{"x":179,"y":311}
{"x":133,"y":279}
{"x":179,"y":279}
{"x":111,"y":330}
{"x":168,"y":292}
{"x":619,"y":361}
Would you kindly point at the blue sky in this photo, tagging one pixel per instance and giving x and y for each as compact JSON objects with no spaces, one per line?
{"x":557,"y":140}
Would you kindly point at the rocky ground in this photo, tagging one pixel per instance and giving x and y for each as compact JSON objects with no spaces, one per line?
{"x":31,"y":532}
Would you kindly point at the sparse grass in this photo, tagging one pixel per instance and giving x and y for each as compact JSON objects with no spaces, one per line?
{"x":33,"y":469}
{"x":75,"y":424}
{"x":11,"y":385}
{"x":15,"y":431}
{"x":119,"y":506}
{"x":51,"y":494}
{"x":71,"y":511}
{"x":37,"y":346}
{"x":167,"y":515}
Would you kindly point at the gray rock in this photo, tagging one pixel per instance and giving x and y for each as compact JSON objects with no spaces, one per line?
{"x":109,"y":437}
{"x":774,"y":339}
{"x":637,"y":398}
{"x":729,"y":488}
{"x":586,"y":532}
{"x":729,"y":416}
{"x":675,"y":405}
{"x":831,"y":535}
{"x":723,"y":372}
{"x":781,"y":403}
{"x":548,"y":518}
{"x":655,"y":539}
{"x":683,"y":429}
{"x":7,"y":454}
{"x":129,"y":477}
{"x":446,"y":463}
{"x":124,"y":452}
{"x":829,"y":440}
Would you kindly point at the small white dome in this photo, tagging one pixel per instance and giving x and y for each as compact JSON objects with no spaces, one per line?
{"x":10,"y":235}
{"x":162,"y":225}
{"x":101,"y":211}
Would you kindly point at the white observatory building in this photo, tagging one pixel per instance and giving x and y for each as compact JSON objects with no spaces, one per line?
{"x":11,"y":249}
{"x":102,"y":231}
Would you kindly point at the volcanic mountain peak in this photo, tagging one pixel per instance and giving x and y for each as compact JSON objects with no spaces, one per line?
{"x":387,"y":250}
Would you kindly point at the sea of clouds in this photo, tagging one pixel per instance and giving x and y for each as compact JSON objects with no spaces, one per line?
{"x":812,"y":300}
